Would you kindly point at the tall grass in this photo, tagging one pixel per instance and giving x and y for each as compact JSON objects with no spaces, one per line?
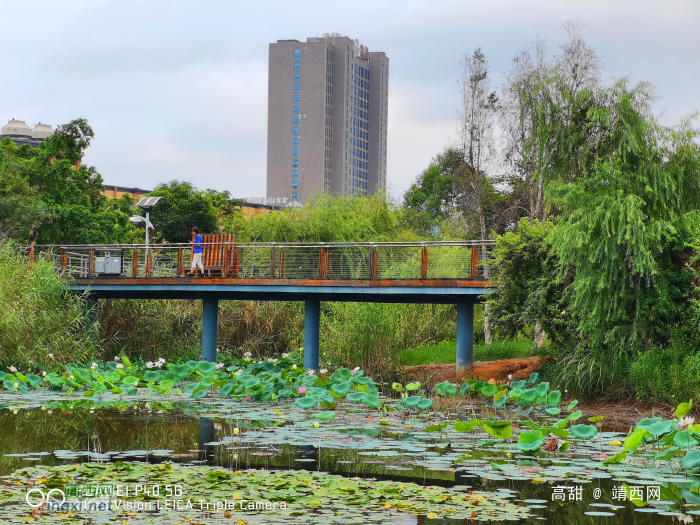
{"x":671,"y":375}
{"x":352,"y":334}
{"x":371,"y":336}
{"x":38,"y":316}
{"x":173,"y":328}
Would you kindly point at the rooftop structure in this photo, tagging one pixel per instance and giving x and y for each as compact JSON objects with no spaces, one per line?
{"x":21,"y":134}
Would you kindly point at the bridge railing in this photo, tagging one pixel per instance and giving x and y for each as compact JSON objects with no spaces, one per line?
{"x":290,"y":261}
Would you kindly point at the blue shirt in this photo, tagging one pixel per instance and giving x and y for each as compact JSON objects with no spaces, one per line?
{"x":198,"y":239}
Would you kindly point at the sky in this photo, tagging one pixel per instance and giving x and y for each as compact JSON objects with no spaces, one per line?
{"x":178,"y":89}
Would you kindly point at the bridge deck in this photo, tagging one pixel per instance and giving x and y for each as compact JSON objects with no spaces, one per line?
{"x":379,"y":291}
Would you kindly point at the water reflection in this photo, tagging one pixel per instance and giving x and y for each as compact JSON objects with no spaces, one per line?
{"x":206,"y":436}
{"x":38,"y":436}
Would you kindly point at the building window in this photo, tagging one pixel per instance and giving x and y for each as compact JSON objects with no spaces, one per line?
{"x":296,"y":99}
{"x":296,"y":88}
{"x":296,"y":131}
{"x":296,"y":66}
{"x":294,"y":184}
{"x":296,"y":77}
{"x":295,"y":163}
{"x":296,"y":110}
{"x":295,"y":142}
{"x":296,"y":121}
{"x":294,"y":195}
{"x":297,"y":54}
{"x":295,"y":173}
{"x":295,"y":153}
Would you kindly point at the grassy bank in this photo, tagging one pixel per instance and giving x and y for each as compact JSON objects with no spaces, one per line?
{"x":445,"y":351}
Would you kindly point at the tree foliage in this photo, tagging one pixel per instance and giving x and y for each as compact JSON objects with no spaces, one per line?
{"x":183,"y":207}
{"x":625,"y":192}
{"x":325,"y":219}
{"x":64,"y":201}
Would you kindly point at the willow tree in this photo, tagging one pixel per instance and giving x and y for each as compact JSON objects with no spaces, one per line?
{"x":627,"y":194}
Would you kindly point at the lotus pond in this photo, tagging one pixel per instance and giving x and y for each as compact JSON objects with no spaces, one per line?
{"x":334,"y":447}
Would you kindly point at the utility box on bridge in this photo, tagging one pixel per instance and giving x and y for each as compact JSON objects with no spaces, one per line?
{"x":108,"y":263}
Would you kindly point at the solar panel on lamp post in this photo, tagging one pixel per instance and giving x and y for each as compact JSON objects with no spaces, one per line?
{"x":146,"y":203}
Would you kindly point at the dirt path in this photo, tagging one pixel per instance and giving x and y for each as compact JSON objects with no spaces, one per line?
{"x":520,"y":368}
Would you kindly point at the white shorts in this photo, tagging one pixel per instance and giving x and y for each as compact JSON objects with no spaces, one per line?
{"x":197,"y":261}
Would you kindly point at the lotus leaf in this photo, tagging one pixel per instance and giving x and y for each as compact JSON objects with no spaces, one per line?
{"x":691,"y":460}
{"x":583,"y":431}
{"x":683,"y":409}
{"x":499,"y":429}
{"x":324,"y":416}
{"x":341,"y":388}
{"x":446,"y":388}
{"x":529,"y":397}
{"x":307,"y":402}
{"x":684,"y":439}
{"x":530,"y":440}
{"x":554,"y":397}
{"x":489,"y":390}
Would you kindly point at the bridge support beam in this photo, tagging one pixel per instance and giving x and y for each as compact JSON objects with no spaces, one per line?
{"x":312,"y":328}
{"x":210,"y":318}
{"x":465,"y":337}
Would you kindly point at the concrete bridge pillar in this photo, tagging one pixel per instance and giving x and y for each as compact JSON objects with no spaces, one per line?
{"x":210,"y":318}
{"x":465,"y":336}
{"x":312,"y":328}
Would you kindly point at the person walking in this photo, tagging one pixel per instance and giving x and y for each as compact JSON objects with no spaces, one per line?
{"x":196,"y":253}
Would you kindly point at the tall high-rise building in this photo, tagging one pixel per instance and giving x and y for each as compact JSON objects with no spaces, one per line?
{"x":327,"y":118}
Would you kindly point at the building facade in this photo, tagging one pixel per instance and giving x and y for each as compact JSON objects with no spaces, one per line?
{"x":116,"y":192}
{"x":327,"y":118}
{"x":19,"y":133}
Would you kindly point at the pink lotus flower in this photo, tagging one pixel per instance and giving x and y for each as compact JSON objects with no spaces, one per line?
{"x":352,"y":372}
{"x":247,"y":398}
{"x":301,"y":390}
{"x":67,"y":373}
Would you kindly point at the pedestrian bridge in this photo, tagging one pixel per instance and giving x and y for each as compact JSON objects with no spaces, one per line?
{"x":444,"y":272}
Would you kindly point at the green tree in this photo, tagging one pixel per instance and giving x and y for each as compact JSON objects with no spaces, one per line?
{"x":73,"y":209}
{"x":626,"y":191}
{"x":433,"y":193}
{"x":181,"y":208}
{"x":21,"y":207}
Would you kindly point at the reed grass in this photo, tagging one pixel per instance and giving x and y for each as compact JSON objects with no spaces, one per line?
{"x":38,"y":315}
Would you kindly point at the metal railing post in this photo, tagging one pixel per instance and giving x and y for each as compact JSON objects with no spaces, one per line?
{"x":272,"y":262}
{"x":135,"y":264}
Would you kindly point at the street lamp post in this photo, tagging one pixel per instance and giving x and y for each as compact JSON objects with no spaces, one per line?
{"x":146,"y":203}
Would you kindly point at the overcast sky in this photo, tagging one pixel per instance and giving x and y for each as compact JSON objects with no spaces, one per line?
{"x":178,"y":89}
